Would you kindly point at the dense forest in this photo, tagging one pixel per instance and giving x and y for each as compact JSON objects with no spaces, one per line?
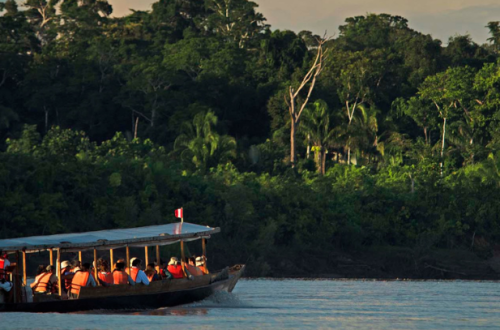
{"x":374,"y":152}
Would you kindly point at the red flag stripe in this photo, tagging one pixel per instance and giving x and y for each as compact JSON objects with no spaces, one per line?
{"x":178,"y":213}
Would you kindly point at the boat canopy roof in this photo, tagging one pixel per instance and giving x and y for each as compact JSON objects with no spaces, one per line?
{"x":111,"y":239}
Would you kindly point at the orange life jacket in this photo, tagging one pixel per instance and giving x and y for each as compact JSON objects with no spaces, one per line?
{"x":203,"y":269}
{"x":2,"y":268}
{"x":133,"y":273}
{"x":176,"y":271}
{"x":80,"y":280}
{"x":193,"y":270}
{"x":43,"y":282}
{"x":106,"y":277}
{"x":67,"y":281}
{"x":120,"y":277}
{"x":150,"y":277}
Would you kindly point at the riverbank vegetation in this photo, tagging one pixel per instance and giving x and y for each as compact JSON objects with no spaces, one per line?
{"x":302,"y":148}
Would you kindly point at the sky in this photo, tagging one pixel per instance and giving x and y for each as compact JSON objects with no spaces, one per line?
{"x":440,"y":18}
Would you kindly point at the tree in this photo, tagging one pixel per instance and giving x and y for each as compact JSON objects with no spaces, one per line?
{"x":297,"y":106}
{"x":357,"y":75}
{"x":235,"y":20}
{"x":317,"y":126}
{"x":42,"y":14}
{"x":494,"y":29}
{"x":200,"y":147}
{"x":421,"y":112}
{"x":449,"y":91}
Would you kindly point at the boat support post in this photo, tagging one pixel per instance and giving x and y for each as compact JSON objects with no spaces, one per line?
{"x":112,"y":264}
{"x":204,"y":248}
{"x":59,"y":282}
{"x":127,"y":265}
{"x":158,"y":257}
{"x":95,"y":268}
{"x":146,"y":256}
{"x":24,"y":268}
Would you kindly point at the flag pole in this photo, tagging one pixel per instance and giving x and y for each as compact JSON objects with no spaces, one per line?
{"x":182,"y":242}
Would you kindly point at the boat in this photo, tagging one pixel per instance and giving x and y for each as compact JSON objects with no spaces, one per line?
{"x":162,"y":293}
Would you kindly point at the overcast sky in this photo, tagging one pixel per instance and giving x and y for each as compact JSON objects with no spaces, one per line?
{"x":441,"y":18}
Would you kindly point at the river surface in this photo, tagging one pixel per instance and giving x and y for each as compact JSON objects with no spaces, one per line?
{"x":304,"y":304}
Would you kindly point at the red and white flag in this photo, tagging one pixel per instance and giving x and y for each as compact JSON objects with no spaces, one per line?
{"x":178,"y":213}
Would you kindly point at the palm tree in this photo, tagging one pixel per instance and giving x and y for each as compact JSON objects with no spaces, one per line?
{"x":364,"y":129}
{"x":316,"y":126}
{"x":494,"y":28}
{"x":200,"y":147}
{"x":490,"y":169}
{"x":463,"y":138}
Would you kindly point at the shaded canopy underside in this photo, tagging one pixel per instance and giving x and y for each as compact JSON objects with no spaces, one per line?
{"x":111,"y":239}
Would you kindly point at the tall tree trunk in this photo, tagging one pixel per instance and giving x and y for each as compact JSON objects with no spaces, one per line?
{"x":323,"y":161}
{"x":318,"y":159}
{"x":442,"y":145}
{"x":295,"y":109}
{"x":349,"y":151}
{"x":426,"y":137}
{"x":292,"y":142}
{"x":308,"y":145}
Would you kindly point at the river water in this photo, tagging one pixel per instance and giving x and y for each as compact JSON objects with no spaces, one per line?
{"x":301,"y":304}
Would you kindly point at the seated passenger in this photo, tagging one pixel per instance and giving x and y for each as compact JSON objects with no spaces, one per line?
{"x":104,"y":275}
{"x":151,"y":273}
{"x":4,"y":263}
{"x":120,"y":276}
{"x":46,"y":281}
{"x":137,"y":275}
{"x":81,"y":279}
{"x":175,"y":268}
{"x":75,"y":265}
{"x":67,"y":276}
{"x":163,"y":272}
{"x":201,"y":264}
{"x":192,"y":269}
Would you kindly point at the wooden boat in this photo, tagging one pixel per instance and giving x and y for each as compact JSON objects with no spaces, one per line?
{"x":164,"y":293}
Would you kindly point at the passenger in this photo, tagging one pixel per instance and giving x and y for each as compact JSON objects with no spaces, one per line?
{"x":105,"y":276}
{"x":46,"y":282}
{"x":175,"y":268}
{"x":120,"y":276}
{"x":192,"y":269}
{"x":81,"y":279}
{"x":201,"y":264}
{"x":130,"y":265}
{"x":151,"y":273}
{"x":4,"y":263}
{"x":75,"y":265}
{"x":66,"y":275}
{"x":137,"y":275}
{"x":164,"y":273}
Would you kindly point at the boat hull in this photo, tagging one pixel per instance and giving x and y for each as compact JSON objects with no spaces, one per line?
{"x":150,"y":298}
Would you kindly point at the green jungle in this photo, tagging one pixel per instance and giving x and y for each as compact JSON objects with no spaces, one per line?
{"x":374,"y":152}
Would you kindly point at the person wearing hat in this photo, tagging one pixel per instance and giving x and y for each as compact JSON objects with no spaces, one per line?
{"x":191,"y":267}
{"x":137,"y":275}
{"x":201,"y":264}
{"x":175,"y":268}
{"x":66,"y":275}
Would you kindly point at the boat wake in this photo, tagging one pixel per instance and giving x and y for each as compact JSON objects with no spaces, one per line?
{"x":220,"y":299}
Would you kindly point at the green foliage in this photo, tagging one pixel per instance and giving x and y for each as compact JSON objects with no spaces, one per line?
{"x":115,"y":121}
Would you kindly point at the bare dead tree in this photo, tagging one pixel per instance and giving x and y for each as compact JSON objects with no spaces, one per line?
{"x":296,"y":106}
